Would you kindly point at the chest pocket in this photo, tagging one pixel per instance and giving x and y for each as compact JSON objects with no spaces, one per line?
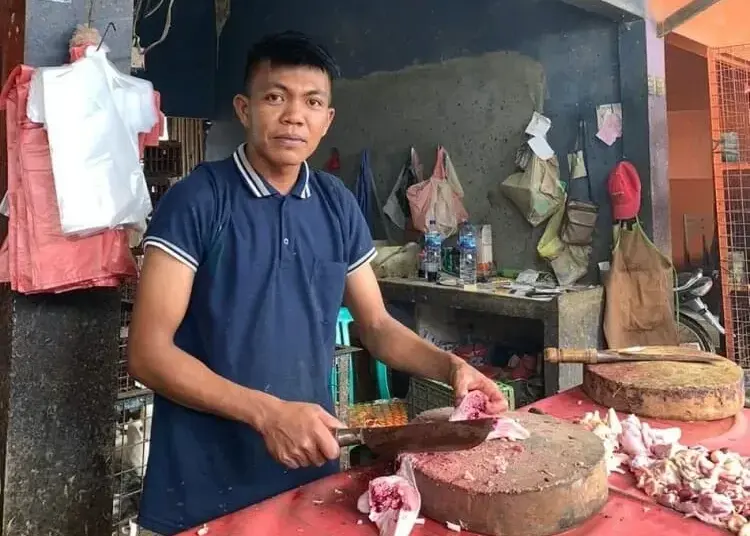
{"x":327,"y":288}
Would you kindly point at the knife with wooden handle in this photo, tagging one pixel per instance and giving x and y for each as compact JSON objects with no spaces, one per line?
{"x":418,"y":437}
{"x":592,"y":356}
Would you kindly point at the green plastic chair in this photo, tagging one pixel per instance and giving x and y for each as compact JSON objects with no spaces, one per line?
{"x":381,"y":370}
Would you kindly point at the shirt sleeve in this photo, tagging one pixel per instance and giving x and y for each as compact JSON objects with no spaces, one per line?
{"x":359,"y":245}
{"x":182,"y":223}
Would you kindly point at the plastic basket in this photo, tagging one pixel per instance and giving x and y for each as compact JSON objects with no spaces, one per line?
{"x":372,"y":414}
{"x":378,"y":413}
{"x":430,"y":394}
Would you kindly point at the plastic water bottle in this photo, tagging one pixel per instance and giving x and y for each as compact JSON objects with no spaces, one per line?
{"x":467,"y":267}
{"x":433,"y":245}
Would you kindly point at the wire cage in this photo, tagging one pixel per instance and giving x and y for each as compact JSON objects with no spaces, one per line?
{"x":132,"y":437}
{"x":729,"y":89}
{"x":134,"y":407}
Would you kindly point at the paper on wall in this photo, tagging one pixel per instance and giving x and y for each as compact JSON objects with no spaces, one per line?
{"x":609,"y":122}
{"x":538,"y":125}
{"x":541,"y":148}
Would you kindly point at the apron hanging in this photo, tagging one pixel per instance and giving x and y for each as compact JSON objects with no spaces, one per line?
{"x":639,"y":304}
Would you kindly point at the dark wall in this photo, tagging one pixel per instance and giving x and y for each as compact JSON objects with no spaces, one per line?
{"x":576,"y":51}
{"x":50,"y":25}
{"x":183,"y":67}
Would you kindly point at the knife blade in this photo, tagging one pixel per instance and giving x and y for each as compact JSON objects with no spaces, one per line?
{"x":418,"y":437}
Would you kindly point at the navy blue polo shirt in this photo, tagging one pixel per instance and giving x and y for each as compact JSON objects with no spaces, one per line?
{"x":269,"y":280}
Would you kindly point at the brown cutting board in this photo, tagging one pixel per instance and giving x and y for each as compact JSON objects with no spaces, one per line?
{"x":668,"y":390}
{"x":543,"y":485}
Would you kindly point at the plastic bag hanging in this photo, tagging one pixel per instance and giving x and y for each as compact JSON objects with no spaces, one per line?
{"x":397,"y":206}
{"x":439,"y":198}
{"x":93,"y":115}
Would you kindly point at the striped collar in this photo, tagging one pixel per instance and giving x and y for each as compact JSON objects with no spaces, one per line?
{"x":259,"y":188}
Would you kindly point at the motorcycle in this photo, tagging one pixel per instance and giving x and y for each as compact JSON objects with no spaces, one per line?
{"x":697,"y":325}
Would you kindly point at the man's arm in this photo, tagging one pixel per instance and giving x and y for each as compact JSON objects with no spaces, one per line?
{"x":161,"y":301}
{"x":392,"y":342}
{"x":402,"y":349}
{"x":296,"y":434}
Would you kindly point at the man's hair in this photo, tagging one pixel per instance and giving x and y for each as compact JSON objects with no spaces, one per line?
{"x":289,"y":49}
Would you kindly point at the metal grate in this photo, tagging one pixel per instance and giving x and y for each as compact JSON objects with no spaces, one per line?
{"x":729,"y":86}
{"x":132,"y":414}
{"x":163,"y":161}
{"x":131,"y":447}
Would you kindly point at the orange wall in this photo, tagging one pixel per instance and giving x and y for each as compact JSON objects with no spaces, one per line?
{"x":690,"y":161}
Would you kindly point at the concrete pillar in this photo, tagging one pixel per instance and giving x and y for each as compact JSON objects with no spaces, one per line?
{"x":645,"y":134}
{"x":58,"y":353}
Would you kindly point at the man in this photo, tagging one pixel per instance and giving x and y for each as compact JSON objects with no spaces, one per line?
{"x":246,"y":264}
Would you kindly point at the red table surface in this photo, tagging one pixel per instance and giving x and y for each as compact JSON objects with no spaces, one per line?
{"x":328,"y":507}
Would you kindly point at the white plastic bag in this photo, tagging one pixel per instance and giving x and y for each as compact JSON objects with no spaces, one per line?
{"x":93,"y":114}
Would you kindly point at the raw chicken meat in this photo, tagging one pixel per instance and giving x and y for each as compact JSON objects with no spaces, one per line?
{"x":474,"y":406}
{"x":608,"y":430}
{"x":713,"y":486}
{"x":393,"y":502}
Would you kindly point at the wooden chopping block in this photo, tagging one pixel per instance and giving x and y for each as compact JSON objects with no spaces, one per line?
{"x":668,"y":390}
{"x":544,"y":485}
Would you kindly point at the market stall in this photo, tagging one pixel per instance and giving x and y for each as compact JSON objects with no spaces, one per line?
{"x":328,"y":507}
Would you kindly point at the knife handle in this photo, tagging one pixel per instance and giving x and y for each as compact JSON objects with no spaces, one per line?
{"x":589,"y":356}
{"x":349,"y":437}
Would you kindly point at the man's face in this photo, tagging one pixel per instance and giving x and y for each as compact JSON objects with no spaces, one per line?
{"x":286,"y":112}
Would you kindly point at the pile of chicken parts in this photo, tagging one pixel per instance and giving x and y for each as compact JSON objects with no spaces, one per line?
{"x":713,"y":486}
{"x":393,"y":502}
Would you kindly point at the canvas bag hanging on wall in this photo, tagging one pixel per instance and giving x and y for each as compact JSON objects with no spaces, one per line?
{"x":537,"y":191}
{"x":569,"y":263}
{"x":579,"y":221}
{"x":440,"y":198}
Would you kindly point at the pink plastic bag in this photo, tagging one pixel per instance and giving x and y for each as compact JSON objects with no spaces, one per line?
{"x":440,"y":198}
{"x":35,"y":256}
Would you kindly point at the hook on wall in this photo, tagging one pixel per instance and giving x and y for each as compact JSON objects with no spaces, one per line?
{"x":110,"y":25}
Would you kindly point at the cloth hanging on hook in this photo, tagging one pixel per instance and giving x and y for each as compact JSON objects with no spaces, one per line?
{"x":364,"y":188}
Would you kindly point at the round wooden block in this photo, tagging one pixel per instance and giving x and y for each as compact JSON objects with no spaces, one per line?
{"x":668,"y":390}
{"x":544,"y":485}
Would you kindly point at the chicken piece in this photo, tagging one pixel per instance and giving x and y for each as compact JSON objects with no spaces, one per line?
{"x":591,"y":420}
{"x":696,"y":470}
{"x":744,"y":530}
{"x":474,"y":406}
{"x":616,"y":461}
{"x":659,"y":477}
{"x":714,"y":509}
{"x":631,"y":438}
{"x":732,"y":467}
{"x":614,"y":422}
{"x":656,"y":439}
{"x":393,"y":502}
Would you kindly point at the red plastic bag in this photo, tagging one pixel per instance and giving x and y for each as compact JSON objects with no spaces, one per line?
{"x":36,"y":256}
{"x":439,"y":198}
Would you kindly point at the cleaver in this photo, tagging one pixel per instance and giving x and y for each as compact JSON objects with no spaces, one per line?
{"x":592,"y":356}
{"x":418,"y":437}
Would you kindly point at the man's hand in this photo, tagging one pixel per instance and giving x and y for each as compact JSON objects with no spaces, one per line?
{"x":299,"y":434}
{"x":465,"y":378}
